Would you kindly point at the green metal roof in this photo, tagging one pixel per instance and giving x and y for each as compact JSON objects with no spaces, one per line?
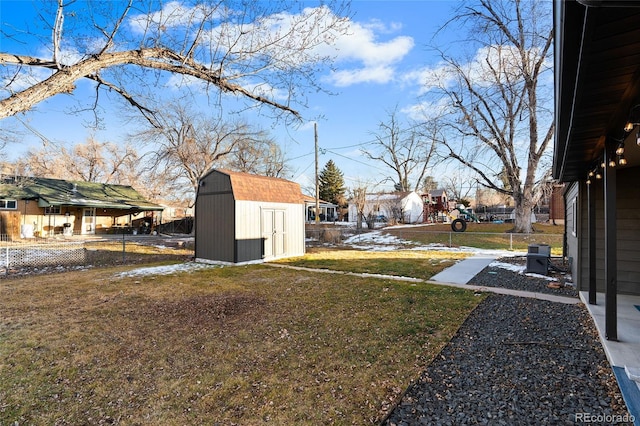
{"x":58,"y":192}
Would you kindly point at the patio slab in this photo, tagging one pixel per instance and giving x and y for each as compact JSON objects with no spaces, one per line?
{"x":623,"y":354}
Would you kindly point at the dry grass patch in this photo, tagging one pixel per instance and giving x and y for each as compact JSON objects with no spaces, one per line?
{"x":402,"y":263}
{"x":491,"y":236}
{"x":237,"y":345}
{"x":106,"y":253}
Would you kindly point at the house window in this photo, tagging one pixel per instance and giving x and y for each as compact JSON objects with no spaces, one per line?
{"x":8,"y":204}
{"x":52,"y":210}
{"x":574,"y":218}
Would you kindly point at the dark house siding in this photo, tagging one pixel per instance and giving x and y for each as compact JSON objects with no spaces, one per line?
{"x":627,"y":235}
{"x":571,"y":223}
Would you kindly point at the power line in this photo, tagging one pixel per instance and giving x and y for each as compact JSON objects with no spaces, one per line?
{"x":356,"y":145}
{"x":354,"y":160}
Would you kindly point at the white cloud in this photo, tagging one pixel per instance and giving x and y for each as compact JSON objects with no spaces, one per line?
{"x":382,"y":28}
{"x":481,"y":69}
{"x":177,"y":81}
{"x":424,"y":111}
{"x":360,"y":53}
{"x":23,"y":79}
{"x":174,"y":14}
{"x":360,"y":45}
{"x":373,"y":74}
{"x":429,"y":78}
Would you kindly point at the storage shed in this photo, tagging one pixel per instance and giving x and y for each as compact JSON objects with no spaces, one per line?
{"x":240,"y":217}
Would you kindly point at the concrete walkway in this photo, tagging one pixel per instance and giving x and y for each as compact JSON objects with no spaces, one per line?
{"x":462,"y":272}
{"x":623,"y":354}
{"x":457,"y":275}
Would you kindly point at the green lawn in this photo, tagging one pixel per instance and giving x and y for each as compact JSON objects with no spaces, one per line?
{"x":242,"y":345}
{"x":402,"y":263}
{"x":483,"y":235}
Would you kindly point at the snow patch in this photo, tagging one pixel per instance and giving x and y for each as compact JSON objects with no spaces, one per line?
{"x":520,"y":269}
{"x":166,"y":269}
{"x":377,"y":241}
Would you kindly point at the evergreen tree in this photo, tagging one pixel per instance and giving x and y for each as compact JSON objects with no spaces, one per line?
{"x":331,"y":184}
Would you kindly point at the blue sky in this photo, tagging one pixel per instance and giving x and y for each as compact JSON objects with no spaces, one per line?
{"x":376,"y":72}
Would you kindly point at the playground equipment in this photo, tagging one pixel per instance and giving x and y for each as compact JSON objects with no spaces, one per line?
{"x":459,"y":224}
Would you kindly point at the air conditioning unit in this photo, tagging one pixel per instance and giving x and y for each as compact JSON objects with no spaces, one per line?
{"x":540,"y":249}
{"x":537,"y":263}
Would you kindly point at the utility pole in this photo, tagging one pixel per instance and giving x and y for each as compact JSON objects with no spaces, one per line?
{"x":315,"y":131}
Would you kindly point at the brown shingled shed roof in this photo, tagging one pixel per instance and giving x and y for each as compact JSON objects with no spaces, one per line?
{"x":248,"y":187}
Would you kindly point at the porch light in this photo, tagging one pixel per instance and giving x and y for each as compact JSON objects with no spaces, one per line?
{"x":628,"y":127}
{"x":633,"y":120}
{"x":621,"y":160}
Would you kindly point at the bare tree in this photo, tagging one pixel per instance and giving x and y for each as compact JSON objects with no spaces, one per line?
{"x":93,"y":161}
{"x":250,"y":49}
{"x":184,"y":146}
{"x":429,"y":184}
{"x":406,"y":151}
{"x":458,"y":186}
{"x":501,"y":120}
{"x":358,"y":196}
{"x":259,"y":154}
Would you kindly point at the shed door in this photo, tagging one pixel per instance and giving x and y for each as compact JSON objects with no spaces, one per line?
{"x":273,"y":232}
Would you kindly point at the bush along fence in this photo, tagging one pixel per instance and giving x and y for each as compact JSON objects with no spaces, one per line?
{"x":18,"y":257}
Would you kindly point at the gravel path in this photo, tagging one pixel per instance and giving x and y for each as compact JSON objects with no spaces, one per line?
{"x":515,"y":361}
{"x":509,"y":272}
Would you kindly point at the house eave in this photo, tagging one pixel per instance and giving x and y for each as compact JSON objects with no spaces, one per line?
{"x":597,"y":51}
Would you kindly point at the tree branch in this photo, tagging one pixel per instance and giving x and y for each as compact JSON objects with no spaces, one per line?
{"x":63,"y":80}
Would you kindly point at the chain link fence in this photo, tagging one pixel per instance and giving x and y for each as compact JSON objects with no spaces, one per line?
{"x":41,"y":253}
{"x":337,"y":235}
{"x":37,"y":255}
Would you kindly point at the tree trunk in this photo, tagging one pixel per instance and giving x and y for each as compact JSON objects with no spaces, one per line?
{"x":522,"y":219}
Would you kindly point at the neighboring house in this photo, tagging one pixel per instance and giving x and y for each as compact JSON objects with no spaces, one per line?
{"x":556,"y":205}
{"x":33,"y":206}
{"x":328,"y":211}
{"x":596,"y":155}
{"x":242,"y":217}
{"x":406,"y":207}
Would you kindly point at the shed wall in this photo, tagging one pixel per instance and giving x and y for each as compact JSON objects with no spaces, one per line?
{"x":250,"y":226}
{"x":214,"y":219}
{"x":232,"y":230}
